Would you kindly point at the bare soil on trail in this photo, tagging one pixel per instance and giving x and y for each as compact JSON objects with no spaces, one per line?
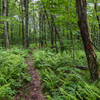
{"x":33,"y":90}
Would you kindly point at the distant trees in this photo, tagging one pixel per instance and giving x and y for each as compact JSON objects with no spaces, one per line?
{"x":55,"y":33}
{"x":86,"y":37}
{"x":50,"y":27}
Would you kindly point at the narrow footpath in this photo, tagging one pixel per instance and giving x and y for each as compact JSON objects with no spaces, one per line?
{"x":33,"y":90}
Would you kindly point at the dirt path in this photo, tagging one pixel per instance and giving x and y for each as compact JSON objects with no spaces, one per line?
{"x":32,"y":91}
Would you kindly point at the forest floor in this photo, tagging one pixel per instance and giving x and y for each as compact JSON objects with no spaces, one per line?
{"x":33,"y":90}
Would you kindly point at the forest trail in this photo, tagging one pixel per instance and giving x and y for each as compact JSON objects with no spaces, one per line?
{"x":33,"y":90}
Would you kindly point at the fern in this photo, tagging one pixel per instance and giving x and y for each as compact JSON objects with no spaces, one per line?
{"x":60,"y":80}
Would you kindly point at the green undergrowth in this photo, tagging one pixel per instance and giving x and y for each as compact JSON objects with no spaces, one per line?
{"x":13,"y":72}
{"x":61,"y":80}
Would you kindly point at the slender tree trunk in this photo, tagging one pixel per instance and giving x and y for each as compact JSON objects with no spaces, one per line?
{"x":56,"y":42}
{"x":34,"y":32}
{"x":98,"y":17}
{"x":23,"y":36}
{"x":41,"y":29}
{"x":42,"y":25}
{"x":26,"y":24}
{"x":73,"y":52}
{"x":51,"y":29}
{"x":86,"y":37}
{"x":58,"y":34}
{"x":44,"y":29}
{"x":11,"y":30}
{"x":52,"y":35}
{"x":0,"y":8}
{"x":34,"y":22}
{"x":5,"y":14}
{"x":52,"y":32}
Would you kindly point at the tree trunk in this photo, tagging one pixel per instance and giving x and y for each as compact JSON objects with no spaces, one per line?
{"x":58,"y":34}
{"x":5,"y":14}
{"x":26,"y":24}
{"x":86,"y":37}
{"x":11,"y":34}
{"x":23,"y":37}
{"x":51,"y":29}
{"x":41,"y":29}
{"x":98,"y":17}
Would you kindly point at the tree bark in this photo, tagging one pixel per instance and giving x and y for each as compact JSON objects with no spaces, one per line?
{"x":26,"y":24}
{"x":5,"y":14}
{"x":86,"y":37}
{"x":23,"y":34}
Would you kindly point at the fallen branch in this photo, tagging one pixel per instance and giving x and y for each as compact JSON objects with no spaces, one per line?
{"x":81,"y":67}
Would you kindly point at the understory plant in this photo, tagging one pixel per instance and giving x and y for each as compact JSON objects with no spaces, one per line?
{"x":61,"y":80}
{"x":13,"y":72}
